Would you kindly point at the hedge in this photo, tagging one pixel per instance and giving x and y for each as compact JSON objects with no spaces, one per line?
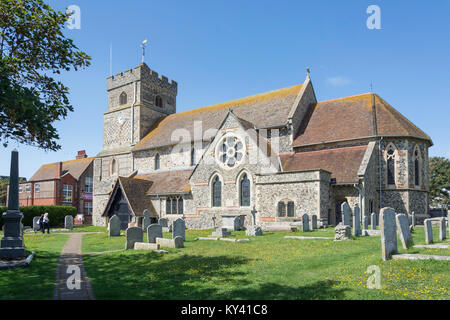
{"x":56,"y":214}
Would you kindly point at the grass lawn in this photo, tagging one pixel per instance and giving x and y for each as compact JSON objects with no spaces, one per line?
{"x":37,"y":281}
{"x":270,"y":267}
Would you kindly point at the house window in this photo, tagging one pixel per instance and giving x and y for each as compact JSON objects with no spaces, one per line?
{"x":37,"y":188}
{"x":20,"y":189}
{"x":28,"y":188}
{"x":123,"y":98}
{"x":391,"y":166}
{"x":88,"y":208}
{"x":159,"y":101}
{"x":157,"y":162}
{"x":281,"y":209}
{"x":217,"y":192}
{"x":67,"y":193}
{"x":290,"y":209}
{"x":245,"y":191}
{"x":89,"y":183}
{"x":174,"y":205}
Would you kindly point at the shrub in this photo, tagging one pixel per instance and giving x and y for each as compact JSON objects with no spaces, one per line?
{"x":56,"y":214}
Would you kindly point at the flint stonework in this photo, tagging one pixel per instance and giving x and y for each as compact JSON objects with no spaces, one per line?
{"x":154,"y":231}
{"x":388,"y":230}
{"x":403,"y":230}
{"x":133,"y":234}
{"x":342,"y":232}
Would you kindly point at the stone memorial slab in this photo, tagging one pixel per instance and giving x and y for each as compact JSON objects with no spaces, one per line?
{"x":36,"y":226}
{"x":346,"y":211}
{"x":146,"y":246}
{"x":373,"y":221}
{"x":133,"y":234}
{"x":342,"y":232}
{"x":428,"y":228}
{"x":413,"y":219}
{"x":114,"y":226}
{"x":170,"y":243}
{"x":179,"y":229}
{"x":233,"y":222}
{"x":178,"y":242}
{"x":68,"y":222}
{"x":442,"y":230}
{"x":403,"y":230}
{"x":305,"y":222}
{"x":388,"y":230}
{"x":154,"y":231}
{"x":356,"y":221}
{"x":254,"y":231}
{"x":314,"y":222}
{"x":146,"y":221}
{"x":366,"y":222}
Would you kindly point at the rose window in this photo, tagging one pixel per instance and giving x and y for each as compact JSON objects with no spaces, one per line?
{"x":230,"y":152}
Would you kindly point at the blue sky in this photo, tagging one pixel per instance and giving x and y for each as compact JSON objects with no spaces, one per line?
{"x":222,"y":50}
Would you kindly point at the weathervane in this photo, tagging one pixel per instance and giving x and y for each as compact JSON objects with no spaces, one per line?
{"x":143,"y":46}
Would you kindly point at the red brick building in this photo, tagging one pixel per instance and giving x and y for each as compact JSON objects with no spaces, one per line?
{"x":68,"y":183}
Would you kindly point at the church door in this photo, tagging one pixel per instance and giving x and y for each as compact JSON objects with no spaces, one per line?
{"x":122,"y":210}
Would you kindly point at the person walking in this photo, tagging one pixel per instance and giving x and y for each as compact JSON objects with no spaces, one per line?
{"x":46,"y":221}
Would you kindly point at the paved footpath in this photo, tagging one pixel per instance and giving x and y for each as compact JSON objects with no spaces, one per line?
{"x":70,"y":264}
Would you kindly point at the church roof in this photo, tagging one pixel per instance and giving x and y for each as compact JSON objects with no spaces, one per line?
{"x":343,"y":163}
{"x":352,"y":118}
{"x":261,"y":110}
{"x":136,"y":193}
{"x":74,"y":167}
{"x":167,"y":182}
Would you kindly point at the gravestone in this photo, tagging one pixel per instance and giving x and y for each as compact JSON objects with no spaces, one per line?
{"x":233,"y":222}
{"x":221,"y":232}
{"x":133,"y":234}
{"x":366,"y":223}
{"x":68,"y":222}
{"x":154,"y":231}
{"x":254,"y":231}
{"x":442,"y":230}
{"x":163,"y":222}
{"x":114,"y":226}
{"x":179,"y":229}
{"x":36,"y":225}
{"x":413,"y":219}
{"x":178,"y":242}
{"x":428,"y":228}
{"x":356,"y":221}
{"x":373,"y":220}
{"x":146,"y":221}
{"x":345,"y":208}
{"x":388,"y":230}
{"x":314,"y":222}
{"x":403,"y":230}
{"x":305,"y":222}
{"x":342,"y":232}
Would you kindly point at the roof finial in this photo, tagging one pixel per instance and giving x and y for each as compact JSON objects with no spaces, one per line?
{"x":308,"y":71}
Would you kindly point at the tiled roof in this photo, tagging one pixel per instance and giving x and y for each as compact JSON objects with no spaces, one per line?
{"x":74,"y":167}
{"x":352,"y":118}
{"x":343,"y":163}
{"x":262,"y":110}
{"x":168,"y":182}
{"x":136,"y":194}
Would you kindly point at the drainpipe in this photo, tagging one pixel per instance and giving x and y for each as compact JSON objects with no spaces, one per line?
{"x":360,"y":198}
{"x":379,"y":168}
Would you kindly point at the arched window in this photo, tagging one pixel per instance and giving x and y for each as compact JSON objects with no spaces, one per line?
{"x":113,"y":167}
{"x":123,"y":98}
{"x":217,"y":192}
{"x":416,"y":159}
{"x":158,"y":101}
{"x":390,"y":160}
{"x":180,"y":205}
{"x":281,"y":209}
{"x":290,"y":209}
{"x":193,"y":162}
{"x":174,"y":205}
{"x":245,"y":191}
{"x":157,"y":162}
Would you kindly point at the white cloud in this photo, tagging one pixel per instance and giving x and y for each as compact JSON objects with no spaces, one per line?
{"x":338,"y":81}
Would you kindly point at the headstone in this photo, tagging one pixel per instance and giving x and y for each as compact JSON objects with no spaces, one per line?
{"x":221,"y":232}
{"x":305,"y":222}
{"x":254,"y":216}
{"x":428,"y":228}
{"x":356,"y":221}
{"x":442,"y":230}
{"x":403,"y":230}
{"x":314,"y":222}
{"x":146,"y":246}
{"x":163,"y":222}
{"x":68,"y":222}
{"x":413,"y":219}
{"x":133,"y":234}
{"x":373,"y":220}
{"x":154,"y":231}
{"x":388,"y":230}
{"x":254,"y":231}
{"x":342,"y":232}
{"x":146,"y":221}
{"x":345,"y":208}
{"x":114,"y":226}
{"x":366,"y":223}
{"x":233,"y":222}
{"x":179,"y":229}
{"x":176,"y":242}
{"x":36,"y":226}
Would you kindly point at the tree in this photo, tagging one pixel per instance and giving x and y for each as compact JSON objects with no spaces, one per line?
{"x":33,"y":50}
{"x":440,"y":181}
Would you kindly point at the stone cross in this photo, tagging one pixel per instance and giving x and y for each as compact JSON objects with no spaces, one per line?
{"x":146,"y":221}
{"x":305,"y":222}
{"x":428,"y":227}
{"x":373,"y":220}
{"x":345,"y":208}
{"x":403,"y":230}
{"x":254,"y":216}
{"x":356,"y":221}
{"x":388,"y":230}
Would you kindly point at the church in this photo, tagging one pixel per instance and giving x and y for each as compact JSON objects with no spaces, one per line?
{"x":281,"y":153}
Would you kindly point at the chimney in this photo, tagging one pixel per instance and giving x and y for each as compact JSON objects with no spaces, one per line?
{"x":81,"y":154}
{"x":58,"y":169}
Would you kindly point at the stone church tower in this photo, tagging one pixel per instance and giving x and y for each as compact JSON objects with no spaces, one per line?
{"x":137,"y":100}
